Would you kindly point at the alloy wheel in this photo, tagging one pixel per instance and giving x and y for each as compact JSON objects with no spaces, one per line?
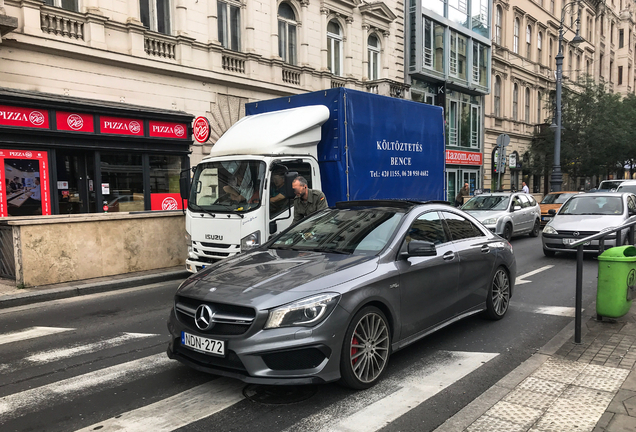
{"x":500,"y":292}
{"x":369,"y":347}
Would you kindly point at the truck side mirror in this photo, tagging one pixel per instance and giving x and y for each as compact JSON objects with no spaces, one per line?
{"x":273,"y":227}
{"x":290,"y":176}
{"x":184,"y":184}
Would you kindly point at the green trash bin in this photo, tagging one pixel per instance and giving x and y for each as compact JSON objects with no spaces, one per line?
{"x":616,"y":281}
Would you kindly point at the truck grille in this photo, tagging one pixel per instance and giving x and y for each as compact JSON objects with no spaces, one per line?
{"x":230,"y":320}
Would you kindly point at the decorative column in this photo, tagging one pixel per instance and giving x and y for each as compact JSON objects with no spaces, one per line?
{"x":274,"y":29}
{"x":323,"y":35}
{"x":213,"y":29}
{"x":304,"y":37}
{"x":384,"y":53}
{"x":365,"y":52}
{"x":348,"y":40}
{"x":250,"y":46}
{"x":181,"y":18}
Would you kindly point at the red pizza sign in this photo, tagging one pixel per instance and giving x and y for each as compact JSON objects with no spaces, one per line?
{"x":463,"y":158}
{"x":24,"y":117}
{"x":121,"y":126}
{"x":168,"y":130}
{"x":165,"y":201}
{"x":201,"y":129}
{"x":74,"y":122}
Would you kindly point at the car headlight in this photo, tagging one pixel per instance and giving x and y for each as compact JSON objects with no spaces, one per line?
{"x":251,"y":241}
{"x":549,"y":230}
{"x":491,"y":221}
{"x":307,"y":312}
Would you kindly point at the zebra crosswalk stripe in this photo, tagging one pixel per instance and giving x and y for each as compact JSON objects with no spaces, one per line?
{"x":178,"y":410}
{"x":31,"y":333}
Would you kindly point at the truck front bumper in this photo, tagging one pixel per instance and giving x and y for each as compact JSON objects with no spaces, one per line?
{"x":205,"y":254}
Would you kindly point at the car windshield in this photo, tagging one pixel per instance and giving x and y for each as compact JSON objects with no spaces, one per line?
{"x":627,"y":188}
{"x":487,"y":202}
{"x":591,"y":205}
{"x":227,"y":186}
{"x":361,"y":231}
{"x":609,"y":184}
{"x":557,"y":198}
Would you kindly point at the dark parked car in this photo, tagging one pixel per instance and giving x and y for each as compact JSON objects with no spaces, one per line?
{"x":333,"y":296}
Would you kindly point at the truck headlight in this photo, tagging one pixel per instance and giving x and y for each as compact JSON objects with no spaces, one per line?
{"x":307,"y":312}
{"x":491,"y":221}
{"x":549,"y":230}
{"x":191,"y":254}
{"x":251,"y":241}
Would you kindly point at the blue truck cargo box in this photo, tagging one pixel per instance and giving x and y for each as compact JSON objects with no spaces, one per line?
{"x":374,"y":147}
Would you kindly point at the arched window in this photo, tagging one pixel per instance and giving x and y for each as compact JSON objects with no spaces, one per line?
{"x":527,"y":113}
{"x":528,"y":42}
{"x":334,"y":47}
{"x":539,"y":102}
{"x":497,"y":96}
{"x":373,"y":51}
{"x":539,"y":46}
{"x":498,"y":20}
{"x":287,"y":41}
{"x":515,"y":40}
{"x":515,"y":101}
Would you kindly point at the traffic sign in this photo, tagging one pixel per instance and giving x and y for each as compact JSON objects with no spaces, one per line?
{"x":503,"y":140}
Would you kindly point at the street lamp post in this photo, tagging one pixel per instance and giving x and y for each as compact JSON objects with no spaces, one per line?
{"x":556,"y":179}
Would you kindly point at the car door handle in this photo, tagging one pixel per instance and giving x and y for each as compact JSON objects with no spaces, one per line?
{"x":485,"y":249}
{"x":448,"y":256}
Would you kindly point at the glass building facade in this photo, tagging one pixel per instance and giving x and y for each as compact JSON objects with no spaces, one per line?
{"x":448,"y":65}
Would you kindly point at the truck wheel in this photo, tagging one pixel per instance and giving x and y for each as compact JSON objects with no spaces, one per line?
{"x":498,"y":295}
{"x":366,"y":349}
{"x":535,"y":229}
{"x":507,"y":233}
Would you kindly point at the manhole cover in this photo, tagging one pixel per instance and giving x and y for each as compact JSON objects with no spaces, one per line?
{"x":278,"y":395}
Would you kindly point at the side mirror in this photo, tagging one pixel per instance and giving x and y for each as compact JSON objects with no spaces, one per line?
{"x":552,"y":212}
{"x":289,"y":179}
{"x":593,"y":190}
{"x":273,"y":227}
{"x":184,"y":184}
{"x":516,"y":208}
{"x":421,"y":248}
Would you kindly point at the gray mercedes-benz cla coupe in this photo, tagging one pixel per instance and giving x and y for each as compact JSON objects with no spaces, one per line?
{"x":333,"y":296}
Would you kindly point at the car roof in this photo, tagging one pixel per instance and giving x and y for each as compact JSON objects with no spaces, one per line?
{"x":561,"y":192}
{"x":603,"y":194}
{"x":403,"y":204}
{"x":501,"y":193}
{"x":627,"y":182}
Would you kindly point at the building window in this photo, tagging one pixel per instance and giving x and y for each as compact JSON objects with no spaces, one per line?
{"x":373,"y":51}
{"x":480,"y":17}
{"x":498,"y":19}
{"x":124,"y":175}
{"x":527,"y":113}
{"x":64,"y":4}
{"x":229,"y":19}
{"x":611,"y":32}
{"x":515,"y":101}
{"x":587,"y":67}
{"x":620,"y":75}
{"x":570,"y":65}
{"x":551,"y":59}
{"x":154,"y":14}
{"x":164,"y":173}
{"x":480,"y":64}
{"x":578,"y":66}
{"x":600,"y":65}
{"x":539,"y":46}
{"x":589,"y":30}
{"x":497,"y":96}
{"x":433,"y":45}
{"x":552,"y":7}
{"x":334,"y":48}
{"x":611,"y":72}
{"x":515,"y":40}
{"x":287,"y":33}
{"x":539,"y":102}
{"x":621,"y":38}
{"x":458,"y":55}
{"x":528,"y":42}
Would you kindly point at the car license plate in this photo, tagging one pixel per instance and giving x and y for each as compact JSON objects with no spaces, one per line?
{"x":545,"y":218}
{"x":206,"y":345}
{"x":567,"y":241}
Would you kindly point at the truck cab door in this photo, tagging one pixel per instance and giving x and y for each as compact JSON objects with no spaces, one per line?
{"x":279,"y":212}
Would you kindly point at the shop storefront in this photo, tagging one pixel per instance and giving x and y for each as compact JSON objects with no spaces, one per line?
{"x":63,"y":155}
{"x":462,"y":167}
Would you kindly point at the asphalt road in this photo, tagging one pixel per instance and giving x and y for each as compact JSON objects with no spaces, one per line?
{"x":98,"y":362}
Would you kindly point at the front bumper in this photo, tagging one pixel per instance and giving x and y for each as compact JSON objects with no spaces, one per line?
{"x":555,"y":243}
{"x":288,"y":356}
{"x":209,"y":253}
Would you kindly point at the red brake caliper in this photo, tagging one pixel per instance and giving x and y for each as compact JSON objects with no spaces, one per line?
{"x":354,"y":350}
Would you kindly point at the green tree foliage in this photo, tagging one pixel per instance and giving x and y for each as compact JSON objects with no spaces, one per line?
{"x":598,"y":133}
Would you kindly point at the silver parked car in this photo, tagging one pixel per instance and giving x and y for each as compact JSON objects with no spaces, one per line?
{"x":506,"y":213}
{"x":333,"y":296}
{"x":585,"y":215}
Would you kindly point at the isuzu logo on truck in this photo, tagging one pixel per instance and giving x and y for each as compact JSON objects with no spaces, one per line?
{"x":213,"y":237}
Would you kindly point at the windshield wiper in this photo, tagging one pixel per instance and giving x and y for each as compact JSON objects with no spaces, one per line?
{"x":335,"y":251}
{"x":202,"y":209}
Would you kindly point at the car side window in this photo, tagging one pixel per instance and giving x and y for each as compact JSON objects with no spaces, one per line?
{"x":427,"y":227}
{"x":461,"y":228}
{"x":515,"y":202}
{"x":631,"y":204}
{"x":533,"y":202}
{"x":525,"y":202}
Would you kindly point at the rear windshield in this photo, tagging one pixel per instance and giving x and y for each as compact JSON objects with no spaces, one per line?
{"x":487,"y":202}
{"x":627,"y":188}
{"x":591,"y":205}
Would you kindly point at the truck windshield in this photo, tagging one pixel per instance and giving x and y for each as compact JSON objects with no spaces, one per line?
{"x":227,"y":186}
{"x":344,"y":231}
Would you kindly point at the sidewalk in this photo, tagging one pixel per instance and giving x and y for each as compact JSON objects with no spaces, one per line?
{"x":11,"y":296}
{"x":565,"y":387}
